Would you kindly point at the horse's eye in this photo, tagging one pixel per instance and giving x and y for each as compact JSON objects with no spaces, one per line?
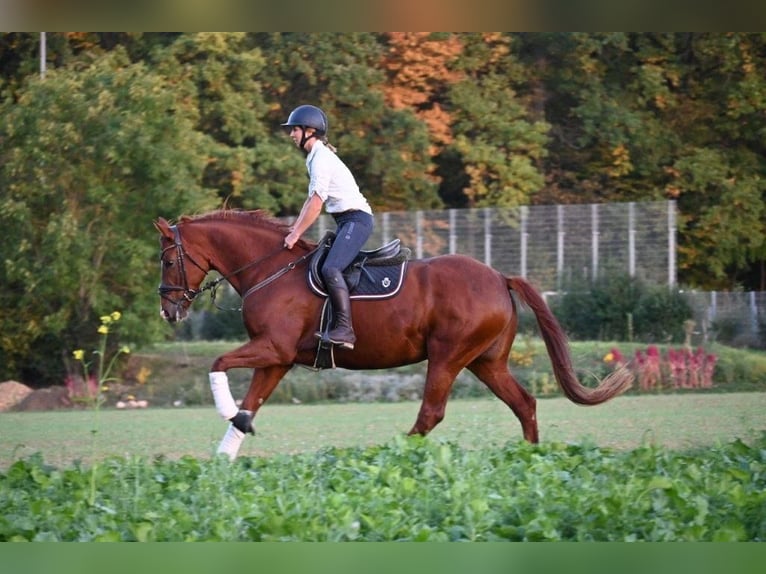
{"x":167,"y":263}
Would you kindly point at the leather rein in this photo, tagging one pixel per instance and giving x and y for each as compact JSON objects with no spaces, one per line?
{"x":190,"y":294}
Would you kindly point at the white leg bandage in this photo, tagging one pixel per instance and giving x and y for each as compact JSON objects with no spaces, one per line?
{"x":224,"y":402}
{"x":231,"y":442}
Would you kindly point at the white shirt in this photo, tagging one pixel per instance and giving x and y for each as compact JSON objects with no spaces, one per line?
{"x":333,"y":182}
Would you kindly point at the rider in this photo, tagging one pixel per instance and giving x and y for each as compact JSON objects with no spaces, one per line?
{"x":332,"y":185}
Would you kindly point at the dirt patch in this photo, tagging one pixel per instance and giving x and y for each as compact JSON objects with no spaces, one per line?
{"x":12,"y":393}
{"x":45,"y":400}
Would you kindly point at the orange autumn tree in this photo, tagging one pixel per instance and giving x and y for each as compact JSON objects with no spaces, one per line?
{"x":419,"y":73}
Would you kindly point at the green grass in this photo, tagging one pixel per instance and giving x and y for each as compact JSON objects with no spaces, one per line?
{"x":676,"y":421}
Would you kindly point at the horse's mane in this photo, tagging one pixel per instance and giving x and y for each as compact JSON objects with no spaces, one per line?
{"x":251,"y":217}
{"x":255,"y":217}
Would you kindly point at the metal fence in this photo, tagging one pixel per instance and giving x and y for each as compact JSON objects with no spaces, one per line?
{"x":733,"y":318}
{"x":548,"y":244}
{"x":551,"y":245}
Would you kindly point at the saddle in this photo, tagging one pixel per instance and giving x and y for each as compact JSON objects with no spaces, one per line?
{"x":373,"y":274}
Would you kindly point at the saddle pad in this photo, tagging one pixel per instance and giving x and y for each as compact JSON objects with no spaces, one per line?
{"x":375,"y":282}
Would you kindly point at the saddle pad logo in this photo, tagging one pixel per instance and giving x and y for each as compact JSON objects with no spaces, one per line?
{"x":386,"y":282}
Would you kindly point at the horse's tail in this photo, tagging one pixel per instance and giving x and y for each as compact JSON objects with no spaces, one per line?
{"x":558,"y":350}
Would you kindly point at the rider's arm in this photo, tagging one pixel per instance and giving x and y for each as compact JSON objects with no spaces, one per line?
{"x":311,"y":209}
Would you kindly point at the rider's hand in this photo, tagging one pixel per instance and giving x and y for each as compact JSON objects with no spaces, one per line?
{"x":291,"y":239}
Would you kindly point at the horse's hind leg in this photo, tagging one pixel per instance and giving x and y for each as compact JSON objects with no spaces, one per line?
{"x":439,"y":380}
{"x":495,"y":374}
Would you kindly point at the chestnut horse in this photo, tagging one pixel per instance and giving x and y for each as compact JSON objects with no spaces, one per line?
{"x":452,"y":311}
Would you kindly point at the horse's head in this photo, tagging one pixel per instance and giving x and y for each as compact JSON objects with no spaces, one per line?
{"x":181,"y":274}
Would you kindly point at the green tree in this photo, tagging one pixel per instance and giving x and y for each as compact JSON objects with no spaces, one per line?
{"x":604,"y":94}
{"x":386,"y":149}
{"x":90,"y":155}
{"x":717,"y":176}
{"x":647,"y":116}
{"x":246,"y":151}
{"x":499,"y":141}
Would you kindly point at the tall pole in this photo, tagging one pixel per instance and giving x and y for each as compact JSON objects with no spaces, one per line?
{"x":43,"y":50}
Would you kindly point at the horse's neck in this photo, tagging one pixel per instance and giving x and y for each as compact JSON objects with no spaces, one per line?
{"x":235,"y":247}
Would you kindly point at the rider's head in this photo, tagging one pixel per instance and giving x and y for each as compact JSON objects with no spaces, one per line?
{"x":307,"y":116}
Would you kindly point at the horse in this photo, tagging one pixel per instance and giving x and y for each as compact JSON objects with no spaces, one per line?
{"x":451,"y":310}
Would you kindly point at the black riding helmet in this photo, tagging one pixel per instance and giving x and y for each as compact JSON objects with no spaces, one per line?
{"x":309,"y":117}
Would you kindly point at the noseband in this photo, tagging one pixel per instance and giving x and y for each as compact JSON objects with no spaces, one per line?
{"x":181,"y":255}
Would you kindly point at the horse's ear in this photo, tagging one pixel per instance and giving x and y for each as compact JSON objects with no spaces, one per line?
{"x":163,"y":227}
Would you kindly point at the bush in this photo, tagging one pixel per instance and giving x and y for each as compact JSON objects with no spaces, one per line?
{"x":622,"y":308}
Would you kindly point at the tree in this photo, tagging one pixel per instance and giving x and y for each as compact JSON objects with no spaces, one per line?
{"x":717,"y":174}
{"x":647,"y":116}
{"x":246,"y":152}
{"x":498,"y":140}
{"x":419,"y":69}
{"x":386,"y":149}
{"x":89,"y":156}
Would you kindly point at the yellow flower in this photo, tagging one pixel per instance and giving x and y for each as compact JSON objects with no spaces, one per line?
{"x":116,"y":315}
{"x":125,"y":349}
{"x":79,"y":354}
{"x":103,"y":329}
{"x":105,"y":388}
{"x":105,"y":319}
{"x":608,"y":358}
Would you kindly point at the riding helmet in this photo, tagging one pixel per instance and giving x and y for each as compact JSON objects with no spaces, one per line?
{"x":308,"y":116}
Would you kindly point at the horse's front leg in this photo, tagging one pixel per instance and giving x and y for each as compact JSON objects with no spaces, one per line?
{"x":264,"y":381}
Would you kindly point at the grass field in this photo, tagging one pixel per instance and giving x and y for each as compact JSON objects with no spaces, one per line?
{"x":676,"y":421}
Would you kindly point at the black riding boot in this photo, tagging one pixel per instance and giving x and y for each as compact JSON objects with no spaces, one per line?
{"x":342,"y":332}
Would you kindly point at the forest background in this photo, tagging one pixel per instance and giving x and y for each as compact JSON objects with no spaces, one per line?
{"x":119,"y":128}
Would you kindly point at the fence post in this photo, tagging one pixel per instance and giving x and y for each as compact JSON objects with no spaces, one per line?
{"x":419,"y":234}
{"x":560,"y":247}
{"x":452,"y":231}
{"x":594,"y":240}
{"x":631,"y":239}
{"x":671,"y":244}
{"x":524,"y":236}
{"x":386,"y":227}
{"x":488,"y":236}
{"x":753,"y":313}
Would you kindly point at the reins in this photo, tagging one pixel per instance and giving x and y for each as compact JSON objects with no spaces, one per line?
{"x":212,"y":286}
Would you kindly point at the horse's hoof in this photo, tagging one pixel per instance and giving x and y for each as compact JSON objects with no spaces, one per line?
{"x":243,"y":422}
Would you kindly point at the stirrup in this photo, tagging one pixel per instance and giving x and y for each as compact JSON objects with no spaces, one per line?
{"x":325,"y":338}
{"x":346,"y":344}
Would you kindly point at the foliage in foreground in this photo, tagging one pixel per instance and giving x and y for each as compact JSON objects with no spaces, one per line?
{"x":407,"y":490}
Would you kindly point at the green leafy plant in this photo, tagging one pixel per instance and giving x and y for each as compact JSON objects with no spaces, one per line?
{"x":96,"y":382}
{"x":409,"y":489}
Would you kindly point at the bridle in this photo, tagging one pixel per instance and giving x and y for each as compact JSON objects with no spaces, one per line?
{"x":189,"y":294}
{"x":181,"y":256}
